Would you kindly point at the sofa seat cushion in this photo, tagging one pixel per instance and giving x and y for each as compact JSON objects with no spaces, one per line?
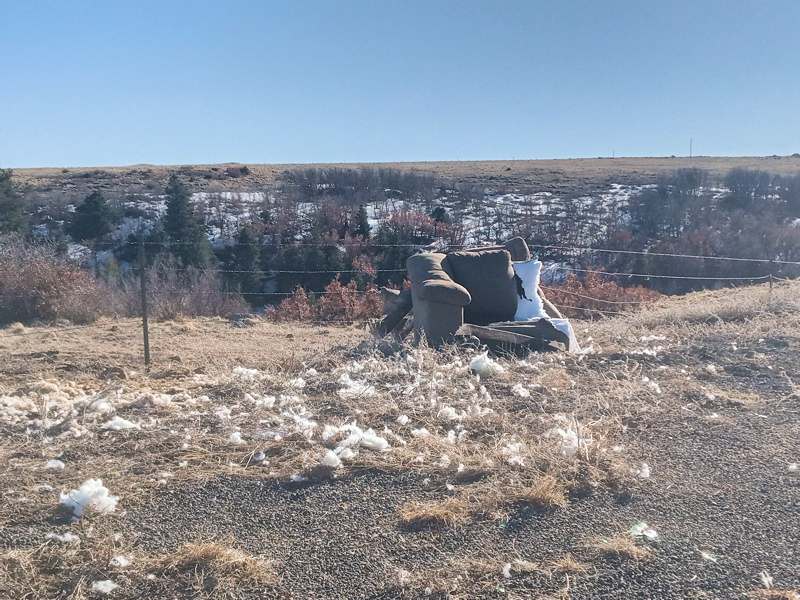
{"x":489,"y":278}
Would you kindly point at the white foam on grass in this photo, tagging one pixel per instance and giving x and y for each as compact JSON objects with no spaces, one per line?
{"x":92,"y":494}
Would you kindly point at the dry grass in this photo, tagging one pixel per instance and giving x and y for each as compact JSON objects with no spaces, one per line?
{"x":603,"y":398}
{"x":546,"y":492}
{"x":220,"y":560}
{"x":569,"y":564}
{"x":619,"y":548}
{"x":774,"y":594}
{"x":450,"y":512}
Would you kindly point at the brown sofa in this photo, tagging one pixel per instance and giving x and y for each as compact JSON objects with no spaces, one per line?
{"x":476,"y":287}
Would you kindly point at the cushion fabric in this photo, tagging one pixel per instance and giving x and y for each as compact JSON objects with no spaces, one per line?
{"x":530,"y":305}
{"x":489,"y":278}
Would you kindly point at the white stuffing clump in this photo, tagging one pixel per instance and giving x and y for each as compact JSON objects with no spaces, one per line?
{"x":354,"y":388}
{"x":67,"y":538}
{"x":92,"y":494}
{"x":119,"y":424}
{"x":403,"y":419}
{"x":120,"y":561}
{"x":223,"y":412}
{"x":367,"y":439}
{"x":245,"y":373}
{"x":54,"y":465}
{"x":485,"y":366}
{"x":105,"y":586}
{"x":329,"y":431}
{"x":421,"y":432}
{"x":512,"y":454}
{"x":520,"y":391}
{"x":236,"y":438}
{"x":331,"y":459}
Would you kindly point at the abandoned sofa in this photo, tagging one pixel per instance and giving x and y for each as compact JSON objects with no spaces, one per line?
{"x":492,"y":293}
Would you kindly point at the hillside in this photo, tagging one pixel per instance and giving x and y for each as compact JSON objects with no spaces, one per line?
{"x":294,"y":461}
{"x":558,"y":176}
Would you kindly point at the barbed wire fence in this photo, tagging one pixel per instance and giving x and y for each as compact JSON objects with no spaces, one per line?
{"x":772,"y":268}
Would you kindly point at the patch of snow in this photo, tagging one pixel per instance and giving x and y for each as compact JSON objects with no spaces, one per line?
{"x":54,"y":465}
{"x":236,"y":438}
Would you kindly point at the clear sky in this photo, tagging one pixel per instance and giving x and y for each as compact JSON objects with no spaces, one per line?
{"x":109,"y":82}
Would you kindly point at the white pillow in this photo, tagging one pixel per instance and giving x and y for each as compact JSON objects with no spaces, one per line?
{"x":530,"y":307}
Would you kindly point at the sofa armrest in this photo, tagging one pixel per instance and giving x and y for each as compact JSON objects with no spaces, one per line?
{"x":446,"y":292}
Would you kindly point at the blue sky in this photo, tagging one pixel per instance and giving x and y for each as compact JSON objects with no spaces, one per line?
{"x":175,"y":82}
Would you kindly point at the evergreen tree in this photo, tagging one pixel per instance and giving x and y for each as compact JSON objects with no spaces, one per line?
{"x":12,"y":205}
{"x":362,"y":222}
{"x":246,"y":258}
{"x":92,"y":218}
{"x":188,"y":241}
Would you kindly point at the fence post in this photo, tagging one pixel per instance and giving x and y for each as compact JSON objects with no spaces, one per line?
{"x":143,"y":285}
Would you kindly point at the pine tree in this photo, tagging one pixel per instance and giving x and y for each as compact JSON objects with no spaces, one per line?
{"x":246,"y":258}
{"x":92,"y":218}
{"x":188,"y":241}
{"x":362,"y":222}
{"x":12,"y":205}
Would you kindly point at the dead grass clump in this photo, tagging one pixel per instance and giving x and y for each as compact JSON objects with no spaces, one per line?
{"x":568,"y":564}
{"x":218,"y":561}
{"x":778,"y":594}
{"x":546,"y":493}
{"x":15,"y":328}
{"x":619,"y":548}
{"x":435,"y":515}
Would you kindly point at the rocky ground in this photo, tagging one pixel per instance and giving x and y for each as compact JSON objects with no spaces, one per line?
{"x":660,"y":463}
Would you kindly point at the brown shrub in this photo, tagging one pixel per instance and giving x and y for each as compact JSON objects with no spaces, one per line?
{"x":37,"y":284}
{"x":338,"y":302}
{"x":596,"y":295}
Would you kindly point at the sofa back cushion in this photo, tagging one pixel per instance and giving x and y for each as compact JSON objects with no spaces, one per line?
{"x":489,"y":278}
{"x":530,"y":305}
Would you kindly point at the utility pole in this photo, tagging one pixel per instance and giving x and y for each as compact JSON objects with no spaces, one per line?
{"x":143,"y":286}
{"x":690,"y":147}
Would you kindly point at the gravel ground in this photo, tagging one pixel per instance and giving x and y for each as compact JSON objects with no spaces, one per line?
{"x":719,"y":485}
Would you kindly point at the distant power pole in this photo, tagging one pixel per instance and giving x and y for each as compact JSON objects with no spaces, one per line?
{"x":690,"y":147}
